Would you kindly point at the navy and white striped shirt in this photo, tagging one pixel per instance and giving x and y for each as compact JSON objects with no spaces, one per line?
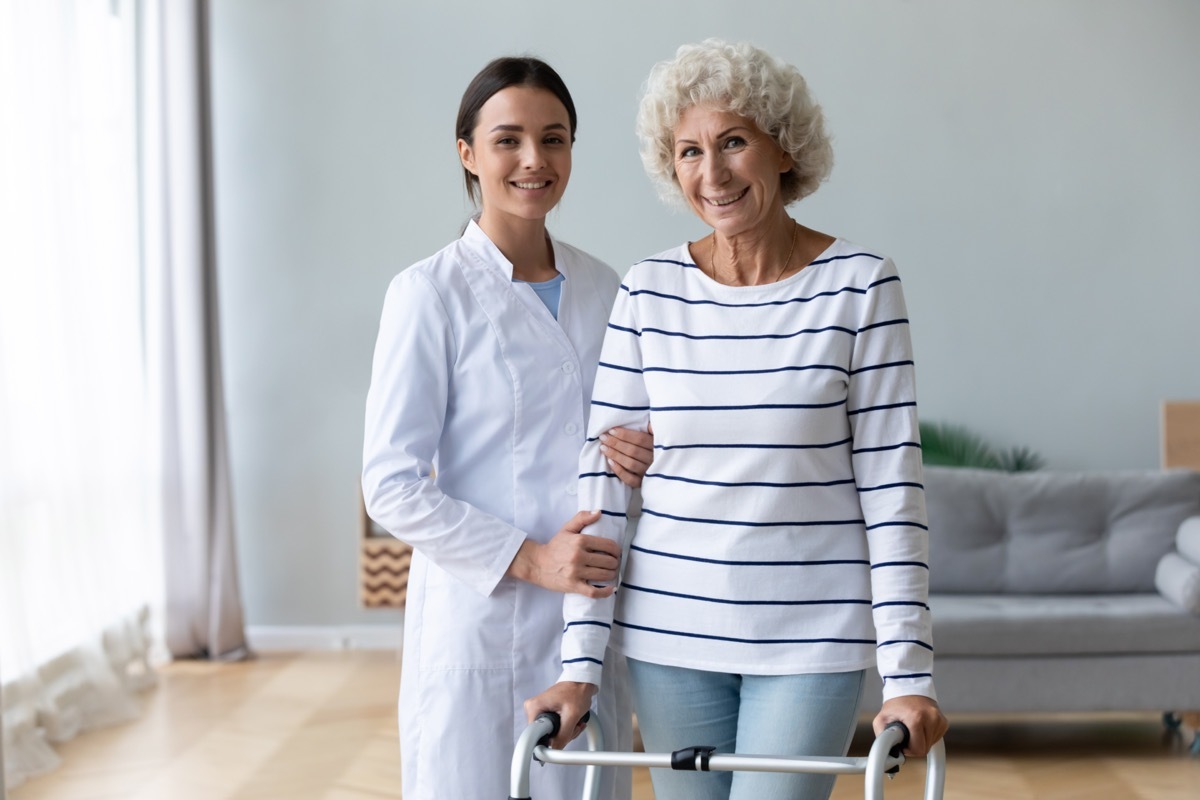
{"x":783,"y":528}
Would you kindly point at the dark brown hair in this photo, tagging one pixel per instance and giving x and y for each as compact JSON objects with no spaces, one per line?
{"x":498,"y":75}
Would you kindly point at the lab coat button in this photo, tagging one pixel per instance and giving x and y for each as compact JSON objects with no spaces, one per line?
{"x":570,"y":428}
{"x":572,"y":489}
{"x":568,"y":367}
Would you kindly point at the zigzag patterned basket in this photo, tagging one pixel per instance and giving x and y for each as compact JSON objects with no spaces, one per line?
{"x":383,"y":573}
{"x":382,"y":566}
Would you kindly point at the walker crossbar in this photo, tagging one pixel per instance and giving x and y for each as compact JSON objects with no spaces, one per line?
{"x":884,"y":758}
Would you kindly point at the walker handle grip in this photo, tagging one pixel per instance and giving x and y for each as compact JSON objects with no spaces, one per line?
{"x":903,"y":742}
{"x":897,"y":750}
{"x":556,"y":723}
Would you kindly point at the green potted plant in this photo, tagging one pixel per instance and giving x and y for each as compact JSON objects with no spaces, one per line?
{"x":948,"y":445}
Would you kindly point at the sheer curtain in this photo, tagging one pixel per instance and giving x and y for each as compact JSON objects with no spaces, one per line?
{"x":112,"y":450}
{"x":79,"y":562}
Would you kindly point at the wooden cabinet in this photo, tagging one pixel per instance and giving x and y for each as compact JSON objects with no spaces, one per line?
{"x":1181,"y":434}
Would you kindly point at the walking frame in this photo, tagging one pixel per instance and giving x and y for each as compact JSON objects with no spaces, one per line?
{"x":883,"y":759}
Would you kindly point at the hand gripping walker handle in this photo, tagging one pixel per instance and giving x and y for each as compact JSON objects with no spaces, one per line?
{"x":886,"y":756}
{"x":556,"y":723}
{"x":539,"y":733}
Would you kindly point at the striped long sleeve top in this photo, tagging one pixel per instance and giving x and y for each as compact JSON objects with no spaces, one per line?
{"x":783,"y":526}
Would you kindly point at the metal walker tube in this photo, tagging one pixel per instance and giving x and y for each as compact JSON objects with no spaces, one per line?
{"x":533,"y":744}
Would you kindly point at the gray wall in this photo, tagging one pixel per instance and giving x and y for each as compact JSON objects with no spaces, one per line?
{"x":1031,"y":165}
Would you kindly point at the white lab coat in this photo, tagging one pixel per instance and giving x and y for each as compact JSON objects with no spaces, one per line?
{"x":474,"y":378}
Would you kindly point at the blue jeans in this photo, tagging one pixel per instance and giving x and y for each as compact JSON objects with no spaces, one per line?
{"x":799,"y":715}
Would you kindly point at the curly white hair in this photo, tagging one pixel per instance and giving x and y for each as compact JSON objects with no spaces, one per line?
{"x":747,"y":81}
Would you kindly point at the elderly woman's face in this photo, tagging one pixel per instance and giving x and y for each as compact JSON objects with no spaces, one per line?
{"x":728,"y":169}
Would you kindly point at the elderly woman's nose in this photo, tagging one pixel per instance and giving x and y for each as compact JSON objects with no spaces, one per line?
{"x":714,"y":167}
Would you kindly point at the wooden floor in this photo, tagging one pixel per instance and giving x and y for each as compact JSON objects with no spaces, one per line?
{"x":322,"y":726}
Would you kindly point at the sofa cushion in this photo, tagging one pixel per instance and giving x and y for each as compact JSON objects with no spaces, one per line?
{"x":1178,"y":580}
{"x":1053,"y":532}
{"x":1038,"y":625}
{"x":1187,"y":542}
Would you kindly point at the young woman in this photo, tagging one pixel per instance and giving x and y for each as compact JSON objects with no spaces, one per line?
{"x":475,"y":418}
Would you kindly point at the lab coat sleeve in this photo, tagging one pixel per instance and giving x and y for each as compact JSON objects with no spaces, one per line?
{"x":887,"y":468}
{"x":619,"y":399}
{"x":405,"y":412}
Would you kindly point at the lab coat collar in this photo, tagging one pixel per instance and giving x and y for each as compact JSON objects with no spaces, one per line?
{"x":475,"y":239}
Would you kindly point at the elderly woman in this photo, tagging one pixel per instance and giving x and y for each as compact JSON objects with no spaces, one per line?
{"x":782,"y":548}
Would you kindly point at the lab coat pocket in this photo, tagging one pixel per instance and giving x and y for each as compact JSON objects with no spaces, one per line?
{"x":461,"y":629}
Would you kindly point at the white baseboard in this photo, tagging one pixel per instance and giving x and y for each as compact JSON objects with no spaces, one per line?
{"x":277,"y":638}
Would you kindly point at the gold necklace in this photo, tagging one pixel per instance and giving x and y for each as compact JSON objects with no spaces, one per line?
{"x":782,"y":269}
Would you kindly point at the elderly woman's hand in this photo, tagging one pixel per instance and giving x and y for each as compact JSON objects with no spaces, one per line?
{"x":570,"y":701}
{"x":629,"y":453}
{"x":925,"y":722}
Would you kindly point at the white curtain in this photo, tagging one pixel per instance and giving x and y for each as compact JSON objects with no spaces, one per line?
{"x":79,"y":558}
{"x":114,"y":484}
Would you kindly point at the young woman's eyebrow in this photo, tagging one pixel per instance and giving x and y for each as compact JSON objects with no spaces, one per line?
{"x":521,"y":128}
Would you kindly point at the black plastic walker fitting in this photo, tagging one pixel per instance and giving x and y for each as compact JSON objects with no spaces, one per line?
{"x":686,"y":758}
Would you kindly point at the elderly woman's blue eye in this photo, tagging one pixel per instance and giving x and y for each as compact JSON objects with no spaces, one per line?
{"x":688,"y":152}
{"x":735,"y":141}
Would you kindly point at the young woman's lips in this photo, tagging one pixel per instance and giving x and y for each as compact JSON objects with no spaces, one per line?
{"x":531,"y":185}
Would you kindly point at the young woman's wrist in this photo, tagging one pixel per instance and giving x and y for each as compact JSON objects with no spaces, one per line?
{"x":523,"y":566}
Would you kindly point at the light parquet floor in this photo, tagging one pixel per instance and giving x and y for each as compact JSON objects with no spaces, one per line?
{"x":322,"y":726}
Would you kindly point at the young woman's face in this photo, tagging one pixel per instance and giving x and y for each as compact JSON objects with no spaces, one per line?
{"x":521,"y":152}
{"x":728,"y":169}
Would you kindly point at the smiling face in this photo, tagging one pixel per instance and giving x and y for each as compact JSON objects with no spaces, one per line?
{"x":521,"y":152}
{"x":728,"y":169}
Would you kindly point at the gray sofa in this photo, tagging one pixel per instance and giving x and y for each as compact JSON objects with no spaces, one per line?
{"x":1058,"y":591}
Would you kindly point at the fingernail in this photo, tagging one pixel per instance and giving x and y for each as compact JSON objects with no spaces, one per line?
{"x":604,"y":437}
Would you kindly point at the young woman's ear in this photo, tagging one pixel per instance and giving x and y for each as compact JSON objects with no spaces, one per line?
{"x":467,"y":156}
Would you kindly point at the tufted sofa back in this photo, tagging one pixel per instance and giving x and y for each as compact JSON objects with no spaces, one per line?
{"x":1048,"y":532}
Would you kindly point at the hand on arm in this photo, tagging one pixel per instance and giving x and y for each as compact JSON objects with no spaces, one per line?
{"x":571,"y":561}
{"x":925,"y":722}
{"x":570,"y":701}
{"x":629,"y":453}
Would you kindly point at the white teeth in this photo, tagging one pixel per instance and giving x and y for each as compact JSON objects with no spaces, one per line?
{"x":726,"y":201}
{"x":541,"y":185}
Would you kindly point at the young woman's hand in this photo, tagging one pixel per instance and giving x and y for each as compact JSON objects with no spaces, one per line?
{"x":925,"y":722}
{"x":629,"y":453}
{"x":570,"y":701}
{"x":571,"y":561}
